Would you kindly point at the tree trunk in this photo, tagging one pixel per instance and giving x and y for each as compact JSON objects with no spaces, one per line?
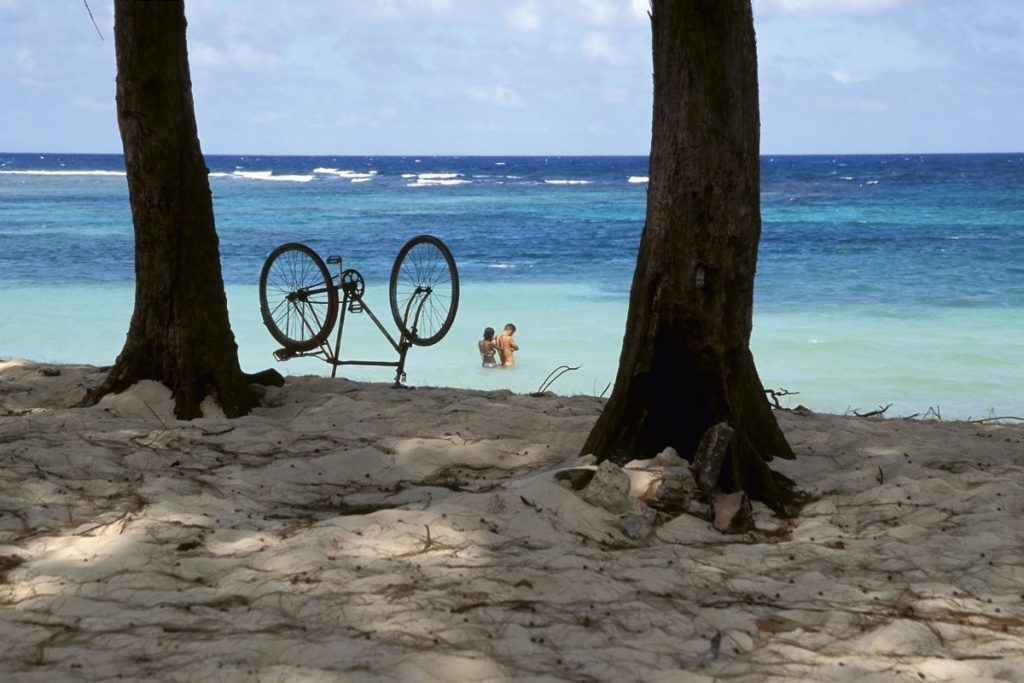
{"x":179,"y":334}
{"x":686,"y":363}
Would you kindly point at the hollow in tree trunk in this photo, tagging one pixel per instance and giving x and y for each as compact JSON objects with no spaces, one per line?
{"x":686,"y":363}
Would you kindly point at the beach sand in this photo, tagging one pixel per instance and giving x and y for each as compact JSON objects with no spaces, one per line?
{"x":348,"y":531}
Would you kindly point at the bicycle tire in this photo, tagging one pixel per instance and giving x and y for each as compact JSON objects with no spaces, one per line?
{"x":298,"y":298}
{"x":424,"y":290}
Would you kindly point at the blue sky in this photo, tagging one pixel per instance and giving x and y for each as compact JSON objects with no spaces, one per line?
{"x":521,"y":76}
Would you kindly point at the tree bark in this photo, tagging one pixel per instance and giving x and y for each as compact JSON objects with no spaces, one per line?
{"x":180,"y":333}
{"x":686,"y":364}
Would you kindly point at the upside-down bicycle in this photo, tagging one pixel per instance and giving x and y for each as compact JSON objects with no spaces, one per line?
{"x":300,"y":301}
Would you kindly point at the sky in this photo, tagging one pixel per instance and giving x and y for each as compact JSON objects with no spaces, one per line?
{"x":544,"y":77}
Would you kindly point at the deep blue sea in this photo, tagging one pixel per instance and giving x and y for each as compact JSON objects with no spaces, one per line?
{"x":881,"y":279}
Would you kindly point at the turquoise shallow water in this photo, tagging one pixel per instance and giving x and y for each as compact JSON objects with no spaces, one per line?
{"x":963,"y":363}
{"x":881,"y":279}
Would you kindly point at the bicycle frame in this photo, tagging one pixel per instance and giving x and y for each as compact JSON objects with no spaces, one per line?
{"x":351,"y":301}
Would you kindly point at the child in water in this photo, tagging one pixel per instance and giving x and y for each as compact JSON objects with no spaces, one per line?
{"x":487,"y":348}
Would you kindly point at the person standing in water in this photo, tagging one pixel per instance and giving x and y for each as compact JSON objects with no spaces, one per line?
{"x":507,"y":346}
{"x":487,"y":348}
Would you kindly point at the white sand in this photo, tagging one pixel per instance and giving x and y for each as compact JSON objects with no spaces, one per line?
{"x":349,"y":532}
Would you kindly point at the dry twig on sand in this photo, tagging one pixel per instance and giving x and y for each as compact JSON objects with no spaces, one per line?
{"x":874,"y":413}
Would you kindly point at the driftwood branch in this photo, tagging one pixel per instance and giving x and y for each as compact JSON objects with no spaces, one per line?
{"x":874,"y":413}
{"x":552,"y":376}
{"x":933,"y":412}
{"x":775,"y":394}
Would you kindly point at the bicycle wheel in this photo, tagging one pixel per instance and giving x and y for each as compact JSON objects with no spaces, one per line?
{"x":424,"y":290}
{"x":298,"y":299}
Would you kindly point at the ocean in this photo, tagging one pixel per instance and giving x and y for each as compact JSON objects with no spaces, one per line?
{"x":883,"y":280}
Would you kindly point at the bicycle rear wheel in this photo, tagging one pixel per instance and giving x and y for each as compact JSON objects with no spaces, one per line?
{"x":424,"y":290}
{"x":298,"y":299}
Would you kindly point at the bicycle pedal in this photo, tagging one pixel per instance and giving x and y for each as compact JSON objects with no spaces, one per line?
{"x":355,"y":307}
{"x":283,"y":354}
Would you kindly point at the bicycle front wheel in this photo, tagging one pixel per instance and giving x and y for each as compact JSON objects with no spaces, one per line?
{"x":424,"y":290}
{"x":298,"y":299}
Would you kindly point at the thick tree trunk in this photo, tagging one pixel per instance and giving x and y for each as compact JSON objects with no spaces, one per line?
{"x":179,"y":334}
{"x":686,"y":363}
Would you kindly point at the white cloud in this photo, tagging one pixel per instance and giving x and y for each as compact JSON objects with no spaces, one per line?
{"x":614,"y":94}
{"x":824,"y":8}
{"x":387,"y":10}
{"x":200,"y":54}
{"x":25,"y":59}
{"x":27,"y":68}
{"x":612,"y":13}
{"x":640,"y":8}
{"x":235,"y":55}
{"x":524,"y":17}
{"x":845,"y":77}
{"x":598,"y":47}
{"x":94,"y":104}
{"x":496,"y":95}
{"x":598,"y":11}
{"x":449,"y":59}
{"x":249,"y":57}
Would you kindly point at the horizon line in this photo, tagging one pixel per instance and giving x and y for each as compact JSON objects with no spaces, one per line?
{"x":526,"y":156}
